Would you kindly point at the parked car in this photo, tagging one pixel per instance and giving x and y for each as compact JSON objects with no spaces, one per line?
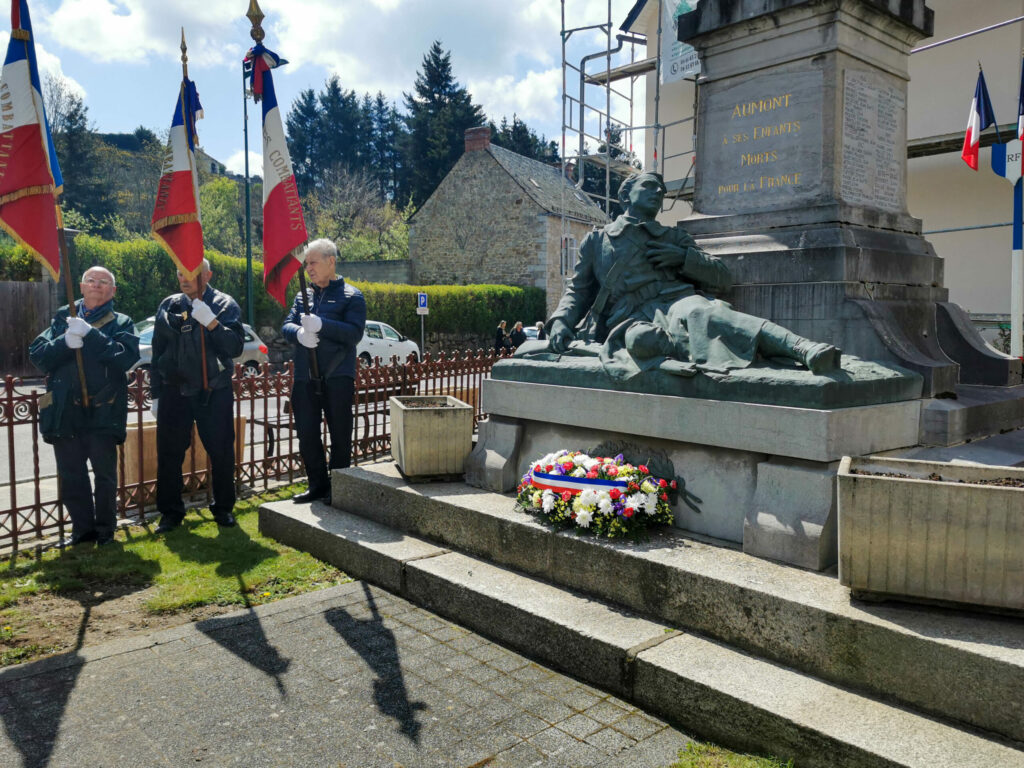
{"x":253,"y":353}
{"x":383,"y":341}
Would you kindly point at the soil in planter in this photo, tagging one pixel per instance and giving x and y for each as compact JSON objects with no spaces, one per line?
{"x":1005,"y":482}
{"x":439,"y":403}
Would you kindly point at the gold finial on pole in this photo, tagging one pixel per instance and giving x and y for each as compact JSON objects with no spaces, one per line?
{"x":255,"y":15}
{"x":184,"y":54}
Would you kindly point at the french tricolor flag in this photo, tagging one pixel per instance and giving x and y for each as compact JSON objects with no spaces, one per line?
{"x":980,"y":117}
{"x":30,"y":177}
{"x":176,"y":223}
{"x":284,"y":226}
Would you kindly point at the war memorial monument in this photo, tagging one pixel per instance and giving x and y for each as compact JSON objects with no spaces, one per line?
{"x":796,"y":318}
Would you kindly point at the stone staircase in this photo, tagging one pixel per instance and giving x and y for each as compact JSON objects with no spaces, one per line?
{"x":741,"y":651}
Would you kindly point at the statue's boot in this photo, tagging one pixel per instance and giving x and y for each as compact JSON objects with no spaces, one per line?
{"x":817,"y":356}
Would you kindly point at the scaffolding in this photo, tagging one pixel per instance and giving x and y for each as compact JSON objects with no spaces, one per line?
{"x":598,"y":105}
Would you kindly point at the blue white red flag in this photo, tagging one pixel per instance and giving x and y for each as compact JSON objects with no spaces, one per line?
{"x":30,"y":177}
{"x":176,"y":221}
{"x":1020,"y":105}
{"x":284,"y":227}
{"x":980,"y":117}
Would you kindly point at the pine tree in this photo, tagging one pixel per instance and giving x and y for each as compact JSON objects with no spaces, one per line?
{"x":439,"y":113}
{"x":523,"y":140}
{"x":303,"y":134}
{"x":87,"y":187}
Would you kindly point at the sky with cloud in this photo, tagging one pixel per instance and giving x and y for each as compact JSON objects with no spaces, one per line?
{"x":123,"y":55}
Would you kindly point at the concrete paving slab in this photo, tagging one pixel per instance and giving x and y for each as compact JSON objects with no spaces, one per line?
{"x":218,"y":705}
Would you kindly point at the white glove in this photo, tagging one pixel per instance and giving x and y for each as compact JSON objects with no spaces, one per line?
{"x":73,"y":340}
{"x":307,"y":339}
{"x":78,"y":327}
{"x":312,"y":323}
{"x":153,"y":407}
{"x":202,"y":312}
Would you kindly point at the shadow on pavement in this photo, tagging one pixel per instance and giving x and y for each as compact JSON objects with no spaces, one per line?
{"x":34,"y":698}
{"x":235,"y":553}
{"x":378,"y":648}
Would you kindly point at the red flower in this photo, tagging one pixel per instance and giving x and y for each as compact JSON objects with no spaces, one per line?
{"x":536,"y":468}
{"x":615,"y":493}
{"x":592,"y":474}
{"x":632,"y":487}
{"x":643,"y":469}
{"x":566,"y":495}
{"x":550,"y":467}
{"x":598,"y":459}
{"x":674,"y":485}
{"x":568,"y":466}
{"x":573,"y":515}
{"x":627,"y":512}
{"x":664,"y":497}
{"x":612,"y":470}
{"x":662,"y":483}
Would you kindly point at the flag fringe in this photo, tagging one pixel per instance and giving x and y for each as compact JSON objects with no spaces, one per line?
{"x":18,"y":194}
{"x":170,"y":221}
{"x":174,"y":257}
{"x":55,"y":274}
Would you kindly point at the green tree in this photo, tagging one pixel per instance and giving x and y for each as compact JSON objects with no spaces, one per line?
{"x":523,"y":140}
{"x":303,"y":133}
{"x":222,"y":216}
{"x":439,"y":113}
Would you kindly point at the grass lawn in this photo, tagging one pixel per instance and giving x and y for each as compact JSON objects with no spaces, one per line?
{"x":194,"y":571}
{"x":710,"y":756}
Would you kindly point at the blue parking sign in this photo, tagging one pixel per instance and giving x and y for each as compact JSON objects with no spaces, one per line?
{"x":421,"y":304}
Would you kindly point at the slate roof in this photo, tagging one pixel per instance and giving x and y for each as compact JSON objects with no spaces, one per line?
{"x":544,"y":184}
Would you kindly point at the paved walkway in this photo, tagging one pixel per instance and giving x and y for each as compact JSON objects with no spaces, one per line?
{"x":349,"y":676}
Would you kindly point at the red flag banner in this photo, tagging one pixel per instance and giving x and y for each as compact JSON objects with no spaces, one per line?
{"x":30,"y":177}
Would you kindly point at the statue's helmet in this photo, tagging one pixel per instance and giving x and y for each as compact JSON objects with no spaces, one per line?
{"x":633,"y":178}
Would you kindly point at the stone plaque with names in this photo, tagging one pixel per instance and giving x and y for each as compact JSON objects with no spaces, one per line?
{"x":761,"y":147}
{"x":874,"y":136}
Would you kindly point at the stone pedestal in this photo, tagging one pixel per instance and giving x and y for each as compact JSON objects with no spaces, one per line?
{"x":765,"y":474}
{"x":800,"y":185}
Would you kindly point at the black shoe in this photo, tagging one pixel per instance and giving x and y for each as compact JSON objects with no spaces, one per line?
{"x":167,"y":525}
{"x":226,"y":520}
{"x":312,"y":495}
{"x":105,"y":542}
{"x":75,"y":539}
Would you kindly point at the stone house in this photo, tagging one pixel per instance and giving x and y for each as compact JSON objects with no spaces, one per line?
{"x":497,"y":218}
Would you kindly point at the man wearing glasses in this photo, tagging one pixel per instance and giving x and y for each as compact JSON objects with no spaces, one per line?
{"x":83,"y":433}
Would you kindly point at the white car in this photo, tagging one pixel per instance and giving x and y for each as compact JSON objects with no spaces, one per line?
{"x":383,"y":341}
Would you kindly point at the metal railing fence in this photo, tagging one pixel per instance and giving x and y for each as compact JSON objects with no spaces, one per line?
{"x":266,"y":447}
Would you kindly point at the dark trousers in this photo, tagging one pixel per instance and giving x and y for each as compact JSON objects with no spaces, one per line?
{"x":92,"y":511}
{"x":214,"y":421}
{"x":334,"y":406}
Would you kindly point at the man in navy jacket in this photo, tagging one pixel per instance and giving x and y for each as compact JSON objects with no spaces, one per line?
{"x":331,"y":331}
{"x":179,"y":399}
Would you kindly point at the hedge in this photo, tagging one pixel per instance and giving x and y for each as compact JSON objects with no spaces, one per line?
{"x":146,"y":275}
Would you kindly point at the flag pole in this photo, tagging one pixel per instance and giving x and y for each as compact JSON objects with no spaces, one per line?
{"x":255,"y":16}
{"x":65,"y":266}
{"x":189,"y":138}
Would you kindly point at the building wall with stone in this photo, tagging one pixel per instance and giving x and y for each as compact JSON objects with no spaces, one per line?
{"x":452,"y":243}
{"x":561,"y":265}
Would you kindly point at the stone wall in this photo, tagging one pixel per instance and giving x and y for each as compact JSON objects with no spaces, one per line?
{"x":556,"y":277}
{"x":394,"y":271}
{"x":479,"y":226}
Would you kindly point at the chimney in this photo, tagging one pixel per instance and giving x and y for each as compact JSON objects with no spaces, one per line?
{"x":478,"y":138}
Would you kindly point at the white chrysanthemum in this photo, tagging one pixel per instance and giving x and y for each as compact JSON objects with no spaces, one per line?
{"x":537,"y":498}
{"x":588,"y":498}
{"x":636,"y":500}
{"x":604,"y":504}
{"x":580,"y":459}
{"x":583,"y":518}
{"x":548,"y":500}
{"x":652,"y":503}
{"x":579,"y":472}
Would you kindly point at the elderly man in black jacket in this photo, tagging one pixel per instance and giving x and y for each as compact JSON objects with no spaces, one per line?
{"x":81,"y":433}
{"x":330,"y":332}
{"x":180,"y":398}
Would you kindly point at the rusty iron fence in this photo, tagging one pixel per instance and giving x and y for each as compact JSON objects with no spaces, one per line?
{"x":266,"y":447}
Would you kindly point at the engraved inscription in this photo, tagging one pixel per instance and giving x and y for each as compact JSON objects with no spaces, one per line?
{"x":874,"y":132}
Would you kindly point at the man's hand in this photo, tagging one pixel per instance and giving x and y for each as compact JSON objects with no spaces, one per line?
{"x":78,"y":327}
{"x":73,"y":340}
{"x":312,"y":323}
{"x":561,"y":336}
{"x":308,"y":339}
{"x":666,"y":255}
{"x":153,"y":407}
{"x":202,"y":313}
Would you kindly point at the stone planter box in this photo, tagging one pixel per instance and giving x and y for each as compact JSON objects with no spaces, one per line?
{"x":929,"y":532}
{"x":430,"y":435}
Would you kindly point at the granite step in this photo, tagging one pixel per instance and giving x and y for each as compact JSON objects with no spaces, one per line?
{"x":704,"y":686}
{"x":956,"y":665}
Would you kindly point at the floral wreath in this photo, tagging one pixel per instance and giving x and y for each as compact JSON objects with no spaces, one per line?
{"x":599,"y":495}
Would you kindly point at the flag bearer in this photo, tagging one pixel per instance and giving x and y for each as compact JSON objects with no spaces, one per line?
{"x":87,"y":434}
{"x":183,"y":393}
